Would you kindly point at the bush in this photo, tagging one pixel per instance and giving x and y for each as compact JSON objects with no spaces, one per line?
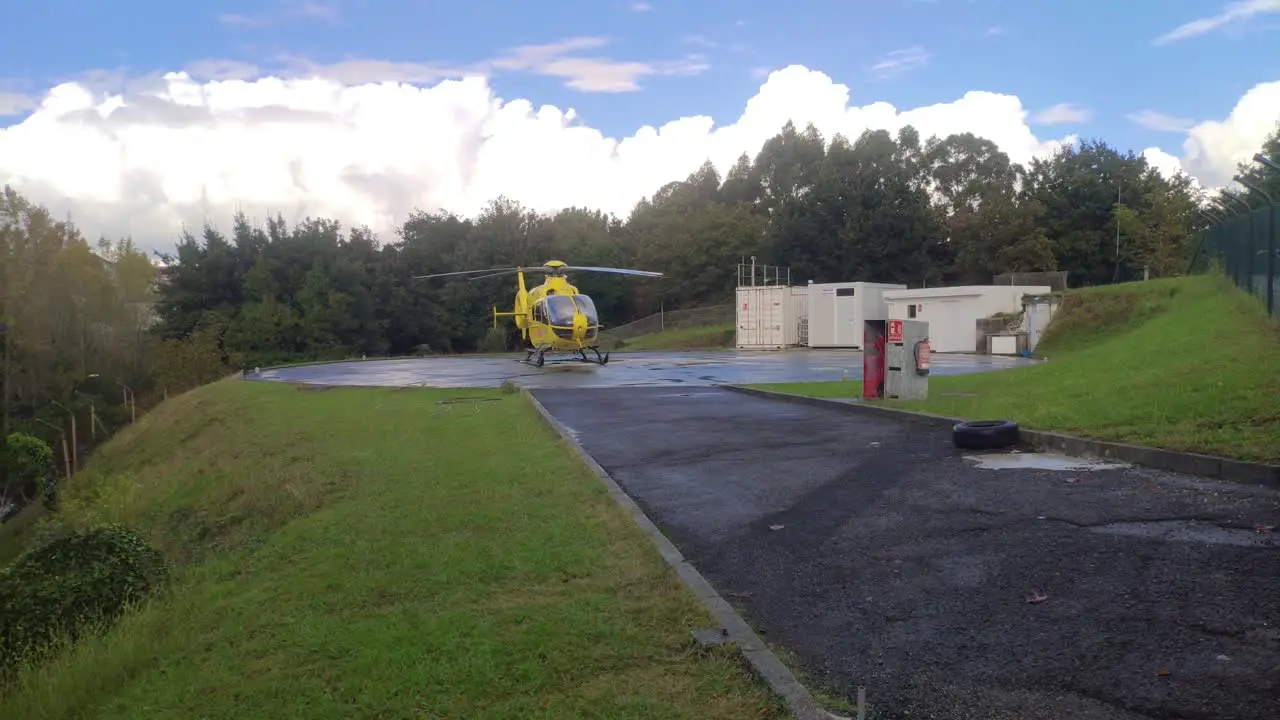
{"x":30,"y":459}
{"x":78,"y":583}
{"x":495,"y":340}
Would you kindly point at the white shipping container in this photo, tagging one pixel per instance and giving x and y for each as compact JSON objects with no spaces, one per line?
{"x":769,"y":316}
{"x":838,"y":311}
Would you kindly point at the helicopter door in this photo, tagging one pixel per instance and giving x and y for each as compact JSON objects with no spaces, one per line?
{"x":540,"y":312}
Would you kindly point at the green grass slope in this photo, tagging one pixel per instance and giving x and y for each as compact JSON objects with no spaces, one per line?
{"x":373,"y":553}
{"x":710,"y":337}
{"x":1189,"y":364}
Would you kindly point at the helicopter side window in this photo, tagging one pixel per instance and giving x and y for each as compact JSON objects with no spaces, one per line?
{"x":560,"y":308}
{"x":540,"y":312}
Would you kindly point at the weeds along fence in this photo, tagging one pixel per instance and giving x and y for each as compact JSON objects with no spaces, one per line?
{"x":672,"y":320}
{"x":1245,"y":247}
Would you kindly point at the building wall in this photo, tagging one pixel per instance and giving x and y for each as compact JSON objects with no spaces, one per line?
{"x":953,"y":312}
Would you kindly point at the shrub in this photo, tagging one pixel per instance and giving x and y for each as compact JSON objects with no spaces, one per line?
{"x":78,"y":583}
{"x":495,"y":340}
{"x":30,"y":459}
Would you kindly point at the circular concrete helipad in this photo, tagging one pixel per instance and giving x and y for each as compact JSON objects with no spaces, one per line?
{"x":623,"y":370}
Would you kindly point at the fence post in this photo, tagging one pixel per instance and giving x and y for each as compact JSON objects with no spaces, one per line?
{"x":1271,"y":260}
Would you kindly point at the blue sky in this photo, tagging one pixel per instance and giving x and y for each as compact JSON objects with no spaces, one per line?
{"x":1098,"y":56}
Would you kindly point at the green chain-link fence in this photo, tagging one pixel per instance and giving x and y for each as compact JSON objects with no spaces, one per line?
{"x":1247,"y":249}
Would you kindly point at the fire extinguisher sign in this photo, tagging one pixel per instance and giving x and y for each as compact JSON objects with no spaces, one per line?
{"x":895,"y":331}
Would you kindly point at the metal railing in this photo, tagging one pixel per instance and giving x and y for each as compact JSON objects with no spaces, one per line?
{"x":1242,"y":238}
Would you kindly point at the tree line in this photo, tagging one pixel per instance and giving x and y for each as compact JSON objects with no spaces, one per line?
{"x":85,"y":328}
{"x":879,"y":207}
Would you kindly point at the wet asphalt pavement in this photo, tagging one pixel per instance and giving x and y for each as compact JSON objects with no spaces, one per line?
{"x":884,"y":558}
{"x":623,"y":370}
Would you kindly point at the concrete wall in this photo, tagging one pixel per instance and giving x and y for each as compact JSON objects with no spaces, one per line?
{"x":953,"y":312}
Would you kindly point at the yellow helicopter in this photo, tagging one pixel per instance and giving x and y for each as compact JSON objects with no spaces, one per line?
{"x":553,"y":317}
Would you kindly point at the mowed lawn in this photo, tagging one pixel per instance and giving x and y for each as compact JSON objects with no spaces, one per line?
{"x":374,"y":554}
{"x":1190,"y":364}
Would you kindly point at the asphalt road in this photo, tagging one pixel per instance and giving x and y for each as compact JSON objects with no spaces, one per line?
{"x":623,"y":370}
{"x":884,"y":558}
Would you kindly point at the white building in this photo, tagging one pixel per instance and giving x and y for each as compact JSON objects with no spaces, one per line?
{"x":953,"y":312}
{"x":837,"y":311}
{"x":769,"y":316}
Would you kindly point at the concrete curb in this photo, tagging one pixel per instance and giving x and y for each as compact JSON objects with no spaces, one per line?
{"x":773,"y":671}
{"x":1210,"y":466}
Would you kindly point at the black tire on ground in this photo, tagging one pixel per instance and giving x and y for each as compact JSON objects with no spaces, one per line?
{"x":984,"y":434}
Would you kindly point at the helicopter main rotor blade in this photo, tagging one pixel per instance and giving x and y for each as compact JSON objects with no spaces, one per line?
{"x":495,"y":272}
{"x":618,"y":271}
{"x":500,"y":273}
{"x":467,"y":272}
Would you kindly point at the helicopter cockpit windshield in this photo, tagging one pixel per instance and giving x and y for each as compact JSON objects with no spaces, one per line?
{"x":560,"y":310}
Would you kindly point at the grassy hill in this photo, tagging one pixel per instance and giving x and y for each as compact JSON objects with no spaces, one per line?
{"x":376,"y":553}
{"x":1187,"y":364}
{"x":708,"y":337}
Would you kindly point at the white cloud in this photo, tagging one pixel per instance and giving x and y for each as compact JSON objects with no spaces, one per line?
{"x":1153,"y":120}
{"x":185,"y":150}
{"x":1213,"y":148}
{"x":589,"y":74}
{"x":1061,"y":114}
{"x":1163,"y":162}
{"x":562,"y":59}
{"x":12,"y":103}
{"x":1233,"y":14}
{"x":307,"y":10}
{"x":900,"y":61}
{"x":641,"y":6}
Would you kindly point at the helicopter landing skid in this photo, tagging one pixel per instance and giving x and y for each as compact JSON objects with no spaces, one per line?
{"x":538,"y":359}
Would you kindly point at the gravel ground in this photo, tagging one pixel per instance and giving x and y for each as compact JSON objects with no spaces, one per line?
{"x":884,"y":558}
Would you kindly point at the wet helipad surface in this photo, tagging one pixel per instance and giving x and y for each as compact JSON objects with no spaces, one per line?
{"x":623,"y":370}
{"x":992,"y":586}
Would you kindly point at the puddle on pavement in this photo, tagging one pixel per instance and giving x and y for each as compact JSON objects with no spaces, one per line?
{"x":1042,"y":461}
{"x":1191,"y":531}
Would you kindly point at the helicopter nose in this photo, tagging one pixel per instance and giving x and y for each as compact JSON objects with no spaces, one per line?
{"x":579,"y":325}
